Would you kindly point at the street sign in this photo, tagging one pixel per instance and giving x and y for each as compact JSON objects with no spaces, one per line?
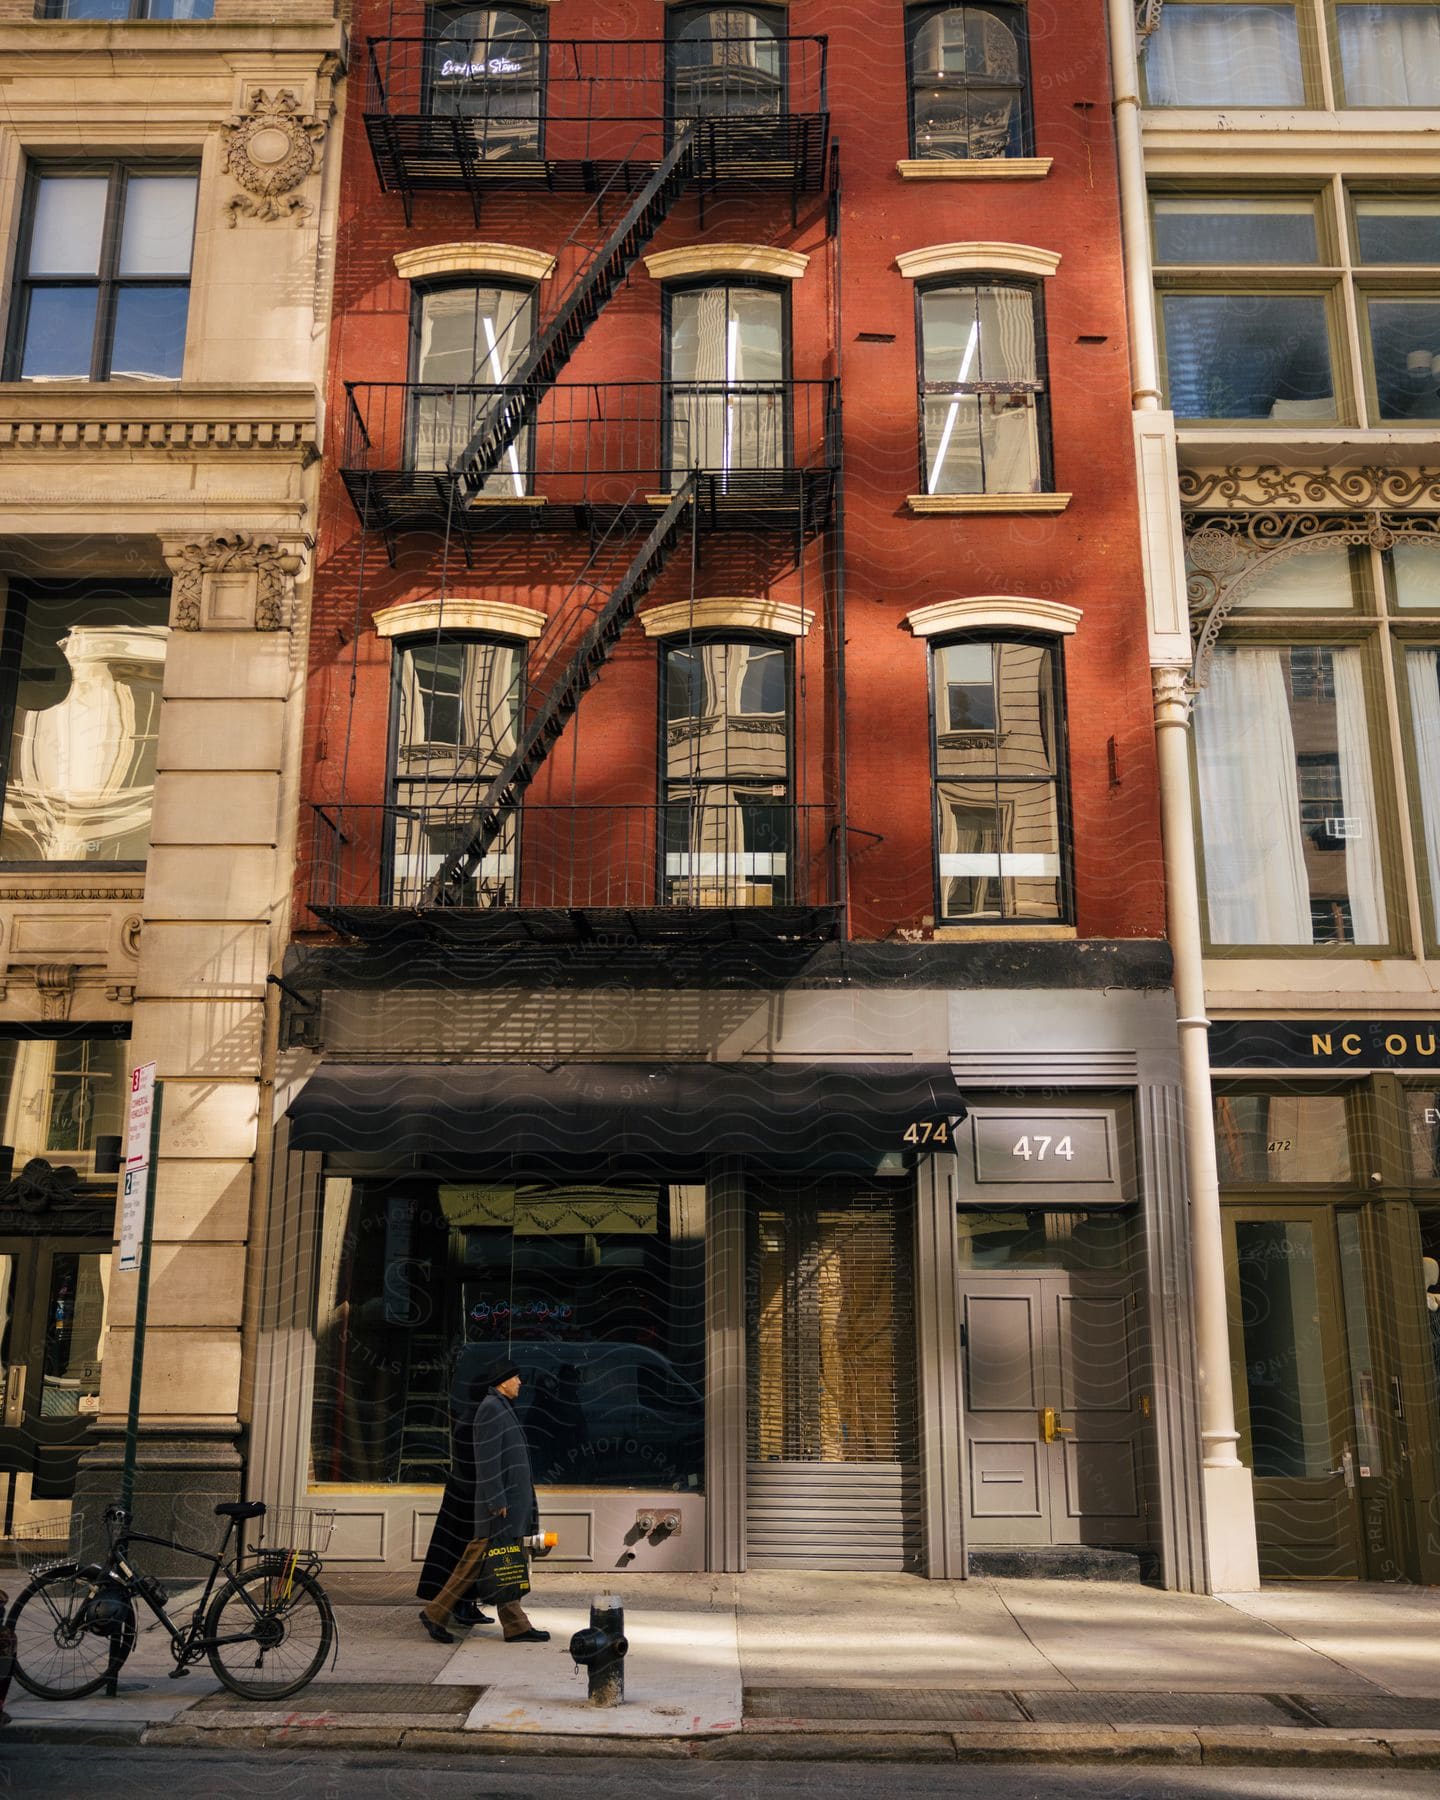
{"x":137,"y":1165}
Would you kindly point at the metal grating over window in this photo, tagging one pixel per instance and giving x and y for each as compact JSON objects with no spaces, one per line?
{"x":831,"y":1330}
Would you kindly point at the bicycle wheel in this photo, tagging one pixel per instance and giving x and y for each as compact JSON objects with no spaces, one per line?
{"x":71,"y":1632}
{"x":281,"y":1626}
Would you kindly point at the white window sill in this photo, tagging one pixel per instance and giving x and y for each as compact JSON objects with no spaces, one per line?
{"x":999,"y":934}
{"x":974,"y":168}
{"x":926,"y":504}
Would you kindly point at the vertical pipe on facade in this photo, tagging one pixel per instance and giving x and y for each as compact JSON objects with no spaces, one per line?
{"x":1172,"y":699}
{"x":842,"y":840}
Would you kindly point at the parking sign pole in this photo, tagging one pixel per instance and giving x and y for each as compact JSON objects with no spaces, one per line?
{"x":136,"y":1231}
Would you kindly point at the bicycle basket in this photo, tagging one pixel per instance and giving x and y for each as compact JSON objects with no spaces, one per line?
{"x":47,"y":1543}
{"x":287,"y":1528}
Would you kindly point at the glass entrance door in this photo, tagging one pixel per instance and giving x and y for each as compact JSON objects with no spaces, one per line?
{"x":1300,"y":1432}
{"x":53,"y":1303}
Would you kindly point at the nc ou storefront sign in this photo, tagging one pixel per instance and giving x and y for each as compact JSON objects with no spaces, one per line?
{"x":1356,"y":1044}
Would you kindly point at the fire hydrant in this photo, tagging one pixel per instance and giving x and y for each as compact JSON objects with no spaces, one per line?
{"x":600,"y":1651}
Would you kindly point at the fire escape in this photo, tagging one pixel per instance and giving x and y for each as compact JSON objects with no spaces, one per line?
{"x":630,"y":471}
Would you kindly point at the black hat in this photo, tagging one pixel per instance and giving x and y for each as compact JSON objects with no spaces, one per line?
{"x":498,"y":1371}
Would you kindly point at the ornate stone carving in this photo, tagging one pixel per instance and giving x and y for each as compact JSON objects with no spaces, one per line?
{"x":1172,"y":686}
{"x":55,"y":983}
{"x":274,"y":568}
{"x":39,"y":1186}
{"x":1228,"y":554}
{"x":130,"y":936}
{"x":270,"y":150}
{"x":1268,"y":484}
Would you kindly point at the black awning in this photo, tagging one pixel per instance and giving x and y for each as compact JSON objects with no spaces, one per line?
{"x":665,"y":1119}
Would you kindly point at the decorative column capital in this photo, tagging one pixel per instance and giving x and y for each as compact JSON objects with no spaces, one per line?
{"x":234,"y":583}
{"x":1174,"y":694}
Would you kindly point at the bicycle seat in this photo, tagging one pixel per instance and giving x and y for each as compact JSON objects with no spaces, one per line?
{"x":240,"y":1509}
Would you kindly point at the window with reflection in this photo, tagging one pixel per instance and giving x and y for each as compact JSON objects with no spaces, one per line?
{"x":969,"y":93}
{"x":1284,"y":1353}
{"x":117,"y":10}
{"x":1288,"y":809}
{"x":468,"y":340}
{"x":1263,"y":1139}
{"x":727,"y":355}
{"x":485,"y":65}
{"x":984,"y":424}
{"x":595,"y":1292}
{"x":725,"y":731}
{"x":726,"y":62}
{"x":456,"y":709}
{"x":104,"y":275}
{"x":998,"y":780}
{"x":81,"y":667}
{"x":59,"y":1096}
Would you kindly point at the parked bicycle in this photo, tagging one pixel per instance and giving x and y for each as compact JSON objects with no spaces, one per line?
{"x":263,"y":1619}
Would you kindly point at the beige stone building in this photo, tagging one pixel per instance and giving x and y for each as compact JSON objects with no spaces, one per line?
{"x":167,"y":191}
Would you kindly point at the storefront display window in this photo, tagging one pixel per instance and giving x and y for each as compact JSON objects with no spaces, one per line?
{"x":1281,"y":1138}
{"x":596,"y":1292}
{"x":1284,"y":1360}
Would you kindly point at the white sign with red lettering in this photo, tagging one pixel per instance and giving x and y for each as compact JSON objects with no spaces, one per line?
{"x":137,"y":1164}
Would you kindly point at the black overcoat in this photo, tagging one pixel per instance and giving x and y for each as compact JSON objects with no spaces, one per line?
{"x":455,"y":1522}
{"x":502,"y":1469}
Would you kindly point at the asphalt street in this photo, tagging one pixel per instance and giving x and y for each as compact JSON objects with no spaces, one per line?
{"x":80,"y":1774}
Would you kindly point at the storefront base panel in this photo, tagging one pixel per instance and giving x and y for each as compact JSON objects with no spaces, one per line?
{"x":833,"y":1516}
{"x":613,"y":1532}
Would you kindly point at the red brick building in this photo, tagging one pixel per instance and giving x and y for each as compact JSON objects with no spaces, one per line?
{"x":732,"y":924}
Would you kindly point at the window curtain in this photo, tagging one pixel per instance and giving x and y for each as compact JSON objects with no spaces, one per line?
{"x":1390,"y":55}
{"x":1257,"y":888}
{"x":1225,"y":56}
{"x":1423,"y":668}
{"x":1363,"y":876}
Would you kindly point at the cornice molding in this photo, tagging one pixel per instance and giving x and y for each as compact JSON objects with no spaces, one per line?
{"x":515,"y":260}
{"x":782,"y":617}
{"x":1005,"y":612}
{"x":458,"y":613}
{"x":727,"y":259}
{"x":106,"y":416}
{"x":957,"y":259}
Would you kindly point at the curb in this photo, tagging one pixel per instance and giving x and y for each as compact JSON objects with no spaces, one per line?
{"x":1210,"y":1746}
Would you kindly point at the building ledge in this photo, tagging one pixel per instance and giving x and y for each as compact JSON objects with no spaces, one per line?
{"x":1003,"y":934}
{"x":927,"y":504}
{"x":35,"y":39}
{"x":974,"y":168}
{"x":191,"y":416}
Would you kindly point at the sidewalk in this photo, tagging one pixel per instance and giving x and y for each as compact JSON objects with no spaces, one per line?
{"x":802,"y":1665}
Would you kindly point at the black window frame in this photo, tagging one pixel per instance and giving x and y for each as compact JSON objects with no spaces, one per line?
{"x":445,"y":13}
{"x":464,"y":282}
{"x":1013,"y":17}
{"x":108,"y":282}
{"x":1060,"y":780}
{"x":1040,"y":387}
{"x":399,"y":646}
{"x":730,"y":636}
{"x":678,"y":17}
{"x":139,"y":11}
{"x":690,"y":284}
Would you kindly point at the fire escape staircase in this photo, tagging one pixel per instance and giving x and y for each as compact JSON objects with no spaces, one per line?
{"x":582,"y":305}
{"x":567,"y":668}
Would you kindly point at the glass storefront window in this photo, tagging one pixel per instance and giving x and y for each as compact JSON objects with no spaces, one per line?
{"x":597,"y":1293}
{"x":1284,"y":1364}
{"x":1040,"y":1239}
{"x":1422,"y":1116}
{"x":1299,"y":1139}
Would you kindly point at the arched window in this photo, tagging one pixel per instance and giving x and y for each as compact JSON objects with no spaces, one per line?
{"x":469,"y":336}
{"x":455,"y":709}
{"x":998,"y":743}
{"x":485,"y":65}
{"x":969,"y":82}
{"x":726,"y":363}
{"x":984,"y":417}
{"x":726,"y":61}
{"x":726,"y":783}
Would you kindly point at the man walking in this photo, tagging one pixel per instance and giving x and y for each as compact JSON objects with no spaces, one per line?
{"x":505,"y":1506}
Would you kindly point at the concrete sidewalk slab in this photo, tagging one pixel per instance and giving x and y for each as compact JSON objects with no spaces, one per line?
{"x":1386,"y":1635}
{"x":1103,"y":1634}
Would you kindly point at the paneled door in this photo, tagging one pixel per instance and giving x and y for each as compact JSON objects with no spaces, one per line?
{"x":1052,"y":1410}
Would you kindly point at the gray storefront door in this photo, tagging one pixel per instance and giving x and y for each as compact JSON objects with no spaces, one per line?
{"x":1052,"y":1412}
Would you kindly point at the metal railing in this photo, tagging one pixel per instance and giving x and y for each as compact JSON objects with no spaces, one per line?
{"x":590,"y":441}
{"x":749,"y":851}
